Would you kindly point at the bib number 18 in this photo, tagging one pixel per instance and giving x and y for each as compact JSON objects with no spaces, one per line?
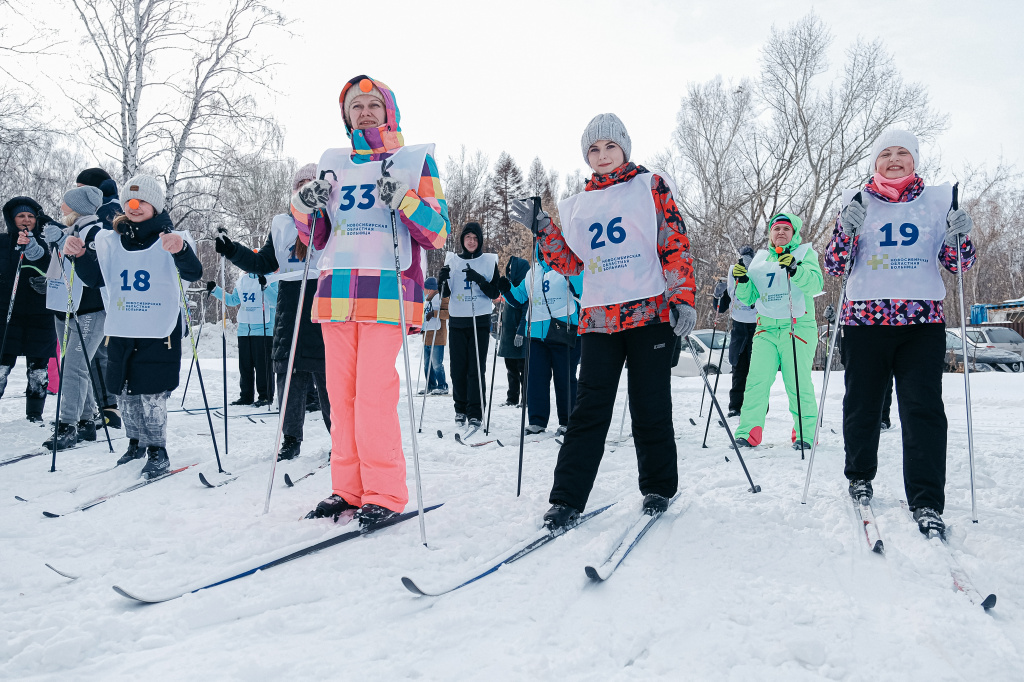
{"x":141,"y":282}
{"x":615,"y":232}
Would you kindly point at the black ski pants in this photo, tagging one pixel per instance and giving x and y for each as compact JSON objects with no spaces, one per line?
{"x":295,"y":411}
{"x":253,"y":361}
{"x":914,"y":355}
{"x":742,"y":336}
{"x":550,"y":361}
{"x":649,"y":352}
{"x":514,"y":370}
{"x":466,"y":380}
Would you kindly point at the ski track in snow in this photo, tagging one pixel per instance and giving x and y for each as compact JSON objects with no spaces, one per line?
{"x":727,"y":586}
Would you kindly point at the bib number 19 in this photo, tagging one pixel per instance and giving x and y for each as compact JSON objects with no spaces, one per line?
{"x":908,"y":230}
{"x":616,"y":233}
{"x":141,"y":282}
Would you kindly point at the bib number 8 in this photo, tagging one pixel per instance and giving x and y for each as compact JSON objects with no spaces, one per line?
{"x":908,"y":230}
{"x":616,"y":233}
{"x":141,"y":282}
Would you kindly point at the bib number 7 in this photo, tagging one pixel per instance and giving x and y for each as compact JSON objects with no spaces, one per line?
{"x":616,"y":233}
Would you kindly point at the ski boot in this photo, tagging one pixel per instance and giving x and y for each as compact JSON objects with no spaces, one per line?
{"x":87,"y":430}
{"x":157,"y":462}
{"x":133,"y":452}
{"x":111,"y":416}
{"x":262,"y":402}
{"x":929,"y":522}
{"x":439,"y":391}
{"x":241,"y":401}
{"x":655,"y":503}
{"x":561,"y":515}
{"x":34,"y":409}
{"x":806,"y":446}
{"x":460,"y":419}
{"x":474,"y":422}
{"x":743,"y":443}
{"x":560,"y":431}
{"x":67,"y":437}
{"x":334,"y":506}
{"x":372,"y":514}
{"x":885,"y":425}
{"x":289,"y":448}
{"x":861,"y":490}
{"x":532,"y":429}
{"x":733,"y":413}
{"x":510,"y":403}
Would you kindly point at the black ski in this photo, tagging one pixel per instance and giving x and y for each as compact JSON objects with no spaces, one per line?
{"x":104,"y":498}
{"x":312,"y":549}
{"x":458,"y":439}
{"x":289,"y":482}
{"x":625,"y":546}
{"x":220,"y":415}
{"x":204,"y":481}
{"x":19,"y":458}
{"x":83,"y":444}
{"x":542,"y":538}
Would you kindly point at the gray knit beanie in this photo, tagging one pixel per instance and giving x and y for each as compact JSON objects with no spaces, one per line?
{"x":304,"y":174}
{"x":144,"y":188}
{"x":605,"y":127}
{"x":84,"y":200}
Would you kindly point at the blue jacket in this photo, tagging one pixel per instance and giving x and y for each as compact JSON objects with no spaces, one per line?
{"x":520,"y":296}
{"x":270,"y":302}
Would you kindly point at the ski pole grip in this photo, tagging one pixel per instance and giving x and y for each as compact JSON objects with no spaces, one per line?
{"x":536,"y":213}
{"x":956,"y":196}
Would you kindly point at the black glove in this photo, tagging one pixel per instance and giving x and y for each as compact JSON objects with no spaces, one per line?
{"x":263,"y":281}
{"x":443,"y":276}
{"x":38,"y":284}
{"x":504,"y":286}
{"x":42,"y":219}
{"x":223,"y":245}
{"x":474,"y":276}
{"x":210,"y":286}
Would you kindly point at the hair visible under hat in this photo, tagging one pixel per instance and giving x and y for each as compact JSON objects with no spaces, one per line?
{"x":144,"y":188}
{"x":361,"y":85}
{"x":606,"y":127}
{"x":896,"y":138}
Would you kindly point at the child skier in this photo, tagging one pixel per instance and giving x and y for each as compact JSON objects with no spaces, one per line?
{"x":141,"y":262}
{"x":785,"y":276}
{"x":893,"y":323}
{"x":638,"y":288}
{"x":256,"y":300}
{"x":357,"y":195}
{"x":435,"y":336}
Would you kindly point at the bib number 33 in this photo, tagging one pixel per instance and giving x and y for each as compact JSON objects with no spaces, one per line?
{"x":615,"y":232}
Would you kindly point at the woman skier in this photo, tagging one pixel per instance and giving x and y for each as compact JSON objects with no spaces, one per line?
{"x":625,"y":234}
{"x":26,"y":326}
{"x":142,"y":262}
{"x":357,"y":195}
{"x":282,"y":259}
{"x":782,"y":278}
{"x":897,"y":232}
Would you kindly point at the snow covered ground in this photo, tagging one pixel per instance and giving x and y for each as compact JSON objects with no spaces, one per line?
{"x":728,"y":586}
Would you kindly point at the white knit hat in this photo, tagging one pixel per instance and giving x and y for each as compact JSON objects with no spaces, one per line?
{"x":144,"y":188}
{"x":605,"y":127}
{"x":896,"y":138}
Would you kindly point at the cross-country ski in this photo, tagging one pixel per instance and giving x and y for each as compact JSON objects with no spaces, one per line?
{"x":648,"y":517}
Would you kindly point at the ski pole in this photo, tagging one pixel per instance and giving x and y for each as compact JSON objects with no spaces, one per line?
{"x":476,"y":346}
{"x":63,"y":357}
{"x":224,"y":349}
{"x":263,"y":343}
{"x":408,"y":371}
{"x":529,"y":335}
{"x":429,"y":370}
{"x":714,"y":329}
{"x":14,"y":292}
{"x":569,"y":396}
{"x":963,"y":349}
{"x":193,"y":361}
{"x":423,"y":371}
{"x":494,"y":367}
{"x":625,"y":409}
{"x":718,"y":375}
{"x":291,"y":361}
{"x":714,"y":401}
{"x":796,"y":369}
{"x":828,"y":364}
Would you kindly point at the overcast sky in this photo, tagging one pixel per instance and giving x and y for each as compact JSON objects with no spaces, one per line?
{"x":526,"y":76}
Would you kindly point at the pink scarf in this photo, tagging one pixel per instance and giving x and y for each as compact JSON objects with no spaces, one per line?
{"x":891,"y":188}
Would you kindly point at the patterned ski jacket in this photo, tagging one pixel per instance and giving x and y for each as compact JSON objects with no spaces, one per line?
{"x":891,"y":311}
{"x":673,"y":251}
{"x":371,"y":295}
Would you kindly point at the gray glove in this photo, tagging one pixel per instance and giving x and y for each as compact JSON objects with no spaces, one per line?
{"x":521,"y":211}
{"x":720,"y":289}
{"x":852,"y":217}
{"x":391,"y":191}
{"x":53,"y":234}
{"x":682,"y":317}
{"x":518,"y":341}
{"x":957,"y":223}
{"x":313,"y":196}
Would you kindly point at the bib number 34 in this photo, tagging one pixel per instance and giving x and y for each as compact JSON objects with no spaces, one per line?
{"x":615,"y":232}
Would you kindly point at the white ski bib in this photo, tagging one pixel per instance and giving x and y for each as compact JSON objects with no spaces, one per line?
{"x":434,"y":323}
{"x":552,"y":285}
{"x":898,"y":247}
{"x":740,"y":311}
{"x":289,"y":268}
{"x":56,"y":289}
{"x":467,"y":299}
{"x":142,"y":296}
{"x":770,"y":279}
{"x":614,"y":231}
{"x":361,"y":223}
{"x":250,"y":294}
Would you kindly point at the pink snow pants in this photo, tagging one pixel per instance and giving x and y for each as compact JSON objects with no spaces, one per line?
{"x":53,"y":372}
{"x":367,"y":462}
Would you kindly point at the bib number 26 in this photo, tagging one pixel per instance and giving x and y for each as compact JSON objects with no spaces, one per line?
{"x":141,"y":282}
{"x":616,"y":233}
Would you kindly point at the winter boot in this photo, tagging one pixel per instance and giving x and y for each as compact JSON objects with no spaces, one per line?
{"x":133,"y":452}
{"x":561,"y":515}
{"x":262,"y":402}
{"x":929,"y":522}
{"x":560,"y":431}
{"x":157,"y":462}
{"x":289,"y":448}
{"x":733,"y":413}
{"x":534,"y":428}
{"x":241,"y":401}
{"x":372,"y":514}
{"x":460,"y":419}
{"x":807,"y":446}
{"x":87,"y":430}
{"x":861,"y":490}
{"x":111,"y":416}
{"x":439,"y":391}
{"x":885,"y":425}
{"x":34,"y":409}
{"x":743,"y":443}
{"x":333,"y":506}
{"x":67,"y":437}
{"x":655,"y":503}
{"x":510,"y":403}
{"x":474,"y":422}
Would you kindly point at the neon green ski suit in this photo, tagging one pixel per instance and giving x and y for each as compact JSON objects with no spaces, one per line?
{"x":772,"y":346}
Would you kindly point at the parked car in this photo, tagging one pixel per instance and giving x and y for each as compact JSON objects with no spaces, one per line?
{"x":702,"y":343}
{"x":1003,"y":338}
{"x":981,"y":358}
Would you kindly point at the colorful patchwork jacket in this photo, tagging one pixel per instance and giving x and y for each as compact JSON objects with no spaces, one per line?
{"x":885,"y":310}
{"x":673,"y":250}
{"x":372,"y":295}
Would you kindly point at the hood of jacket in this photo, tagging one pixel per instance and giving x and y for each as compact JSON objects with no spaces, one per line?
{"x":516,"y":270}
{"x":109,"y":189}
{"x":382,"y":139}
{"x":471,"y":228}
{"x":19,"y":201}
{"x":797,"y":224}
